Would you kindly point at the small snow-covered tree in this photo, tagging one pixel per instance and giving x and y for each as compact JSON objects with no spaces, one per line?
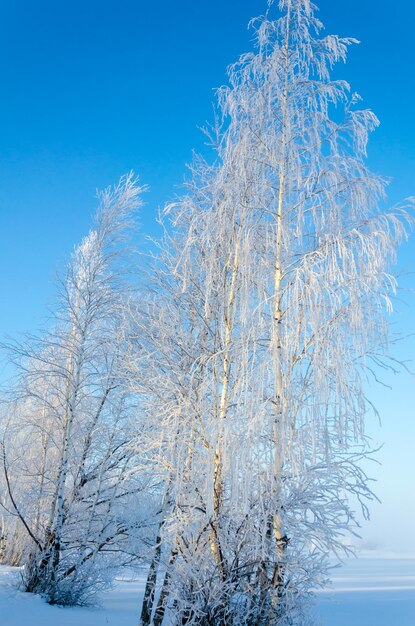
{"x":277,"y":286}
{"x":67,"y":459}
{"x":167,"y":354}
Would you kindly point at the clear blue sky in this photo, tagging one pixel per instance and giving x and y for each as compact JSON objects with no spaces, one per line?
{"x":93,"y":89}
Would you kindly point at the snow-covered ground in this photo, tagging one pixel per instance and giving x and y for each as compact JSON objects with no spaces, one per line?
{"x":119,"y":607}
{"x":366,"y":592}
{"x":371,"y":592}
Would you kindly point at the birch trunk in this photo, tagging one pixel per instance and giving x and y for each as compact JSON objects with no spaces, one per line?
{"x":151,"y":581}
{"x":74,"y":371}
{"x":223,"y":411}
{"x":279,"y":425}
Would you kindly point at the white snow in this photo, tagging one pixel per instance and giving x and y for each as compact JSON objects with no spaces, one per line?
{"x":370,"y":592}
{"x":119,"y":607}
{"x":366,"y":592}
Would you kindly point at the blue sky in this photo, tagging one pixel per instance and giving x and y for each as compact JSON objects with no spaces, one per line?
{"x":91,"y":90}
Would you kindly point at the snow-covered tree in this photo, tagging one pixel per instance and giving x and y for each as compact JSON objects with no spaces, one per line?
{"x":66,"y":457}
{"x":220,"y":409}
{"x":270,"y":309}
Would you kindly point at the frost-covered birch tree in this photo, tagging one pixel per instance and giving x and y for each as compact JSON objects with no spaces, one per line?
{"x":66,"y":456}
{"x":279,"y":287}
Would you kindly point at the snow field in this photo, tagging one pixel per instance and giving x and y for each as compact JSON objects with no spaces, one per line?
{"x":366,"y":592}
